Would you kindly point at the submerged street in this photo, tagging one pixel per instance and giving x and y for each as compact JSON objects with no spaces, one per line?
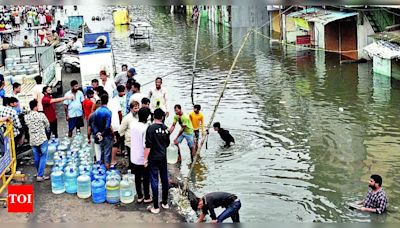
{"x":309,"y":131}
{"x":297,"y":157}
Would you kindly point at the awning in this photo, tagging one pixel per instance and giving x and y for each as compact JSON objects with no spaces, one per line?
{"x":383,"y":49}
{"x":320,"y":15}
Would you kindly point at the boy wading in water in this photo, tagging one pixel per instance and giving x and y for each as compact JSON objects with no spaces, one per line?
{"x":225,"y":135}
{"x":197,"y":119}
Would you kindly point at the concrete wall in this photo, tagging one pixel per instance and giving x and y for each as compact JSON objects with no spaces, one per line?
{"x":248,"y":16}
{"x":319,"y":31}
{"x":382,"y":66}
{"x":395,"y":69}
{"x":364,"y":29}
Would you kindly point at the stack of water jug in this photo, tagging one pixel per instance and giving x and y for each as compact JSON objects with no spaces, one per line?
{"x":74,"y":172}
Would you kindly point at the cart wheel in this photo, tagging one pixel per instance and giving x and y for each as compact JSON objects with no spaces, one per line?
{"x":68,"y":69}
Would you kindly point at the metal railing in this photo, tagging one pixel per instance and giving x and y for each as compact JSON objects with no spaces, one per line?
{"x":8,"y":158}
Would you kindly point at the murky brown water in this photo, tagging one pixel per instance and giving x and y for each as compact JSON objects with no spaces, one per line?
{"x":297,"y":157}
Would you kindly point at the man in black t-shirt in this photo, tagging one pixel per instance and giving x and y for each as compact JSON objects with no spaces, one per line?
{"x":155,"y":157}
{"x":210,"y":201}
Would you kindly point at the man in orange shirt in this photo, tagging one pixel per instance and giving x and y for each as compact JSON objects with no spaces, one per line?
{"x":197,"y":119}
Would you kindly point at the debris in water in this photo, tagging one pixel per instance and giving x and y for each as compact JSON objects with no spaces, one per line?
{"x":183,"y":205}
{"x":282,"y":102}
{"x":341,"y":109}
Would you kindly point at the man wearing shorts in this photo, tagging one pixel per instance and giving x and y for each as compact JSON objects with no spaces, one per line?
{"x":197,"y":119}
{"x":73,"y":108}
{"x":186,"y":131}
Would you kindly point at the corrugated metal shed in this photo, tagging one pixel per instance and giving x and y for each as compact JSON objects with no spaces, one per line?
{"x":320,"y":15}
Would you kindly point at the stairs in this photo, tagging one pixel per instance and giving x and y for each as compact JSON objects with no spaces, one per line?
{"x":379,"y":19}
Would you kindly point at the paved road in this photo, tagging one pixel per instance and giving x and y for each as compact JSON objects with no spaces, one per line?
{"x":69,"y":208}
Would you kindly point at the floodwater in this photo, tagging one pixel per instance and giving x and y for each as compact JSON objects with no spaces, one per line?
{"x":309,"y":132}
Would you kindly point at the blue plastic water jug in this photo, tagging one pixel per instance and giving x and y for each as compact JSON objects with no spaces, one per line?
{"x":70,"y":180}
{"x":98,"y":191}
{"x":84,"y":189}
{"x":57,"y":180}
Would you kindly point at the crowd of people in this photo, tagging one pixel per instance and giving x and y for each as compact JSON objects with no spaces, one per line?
{"x":120,"y":119}
{"x":40,"y":18}
{"x":13,"y":16}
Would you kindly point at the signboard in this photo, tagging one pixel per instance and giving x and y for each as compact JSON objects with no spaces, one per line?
{"x":5,"y":159}
{"x":303,"y":40}
{"x":301,"y":23}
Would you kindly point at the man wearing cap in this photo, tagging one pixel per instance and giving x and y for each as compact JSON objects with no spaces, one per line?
{"x":123,"y":77}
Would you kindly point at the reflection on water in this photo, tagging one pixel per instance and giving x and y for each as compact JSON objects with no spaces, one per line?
{"x":309,"y":132}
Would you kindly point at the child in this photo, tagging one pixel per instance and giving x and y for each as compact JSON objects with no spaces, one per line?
{"x":26,"y":42}
{"x":224,"y":134}
{"x":88,"y":105}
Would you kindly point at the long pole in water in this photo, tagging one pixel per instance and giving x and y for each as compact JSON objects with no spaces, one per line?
{"x":195,"y":55}
{"x":186,"y":183}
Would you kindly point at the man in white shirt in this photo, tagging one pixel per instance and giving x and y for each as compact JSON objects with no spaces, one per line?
{"x":75,"y":12}
{"x":122,"y":77}
{"x":136,"y":159}
{"x":127,"y":121}
{"x":107,"y":83}
{"x":76,"y":45}
{"x":116,"y":117}
{"x":42,"y":19}
{"x":137,"y":96}
{"x":158,"y":97}
{"x":37,"y":92}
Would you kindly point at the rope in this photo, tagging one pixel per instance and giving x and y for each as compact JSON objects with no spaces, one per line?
{"x":195,"y":56}
{"x":222,"y":49}
{"x":185,"y":184}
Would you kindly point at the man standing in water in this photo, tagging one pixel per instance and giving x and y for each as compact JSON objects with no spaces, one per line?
{"x":185,"y":132}
{"x":212,"y":200}
{"x":197,"y":119}
{"x":158,"y":97}
{"x":376,"y":200}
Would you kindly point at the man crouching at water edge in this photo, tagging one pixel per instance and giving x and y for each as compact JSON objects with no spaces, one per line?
{"x":376,"y":200}
{"x":212,"y":200}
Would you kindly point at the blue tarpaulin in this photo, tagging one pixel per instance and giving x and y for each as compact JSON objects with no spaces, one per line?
{"x":74,"y":22}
